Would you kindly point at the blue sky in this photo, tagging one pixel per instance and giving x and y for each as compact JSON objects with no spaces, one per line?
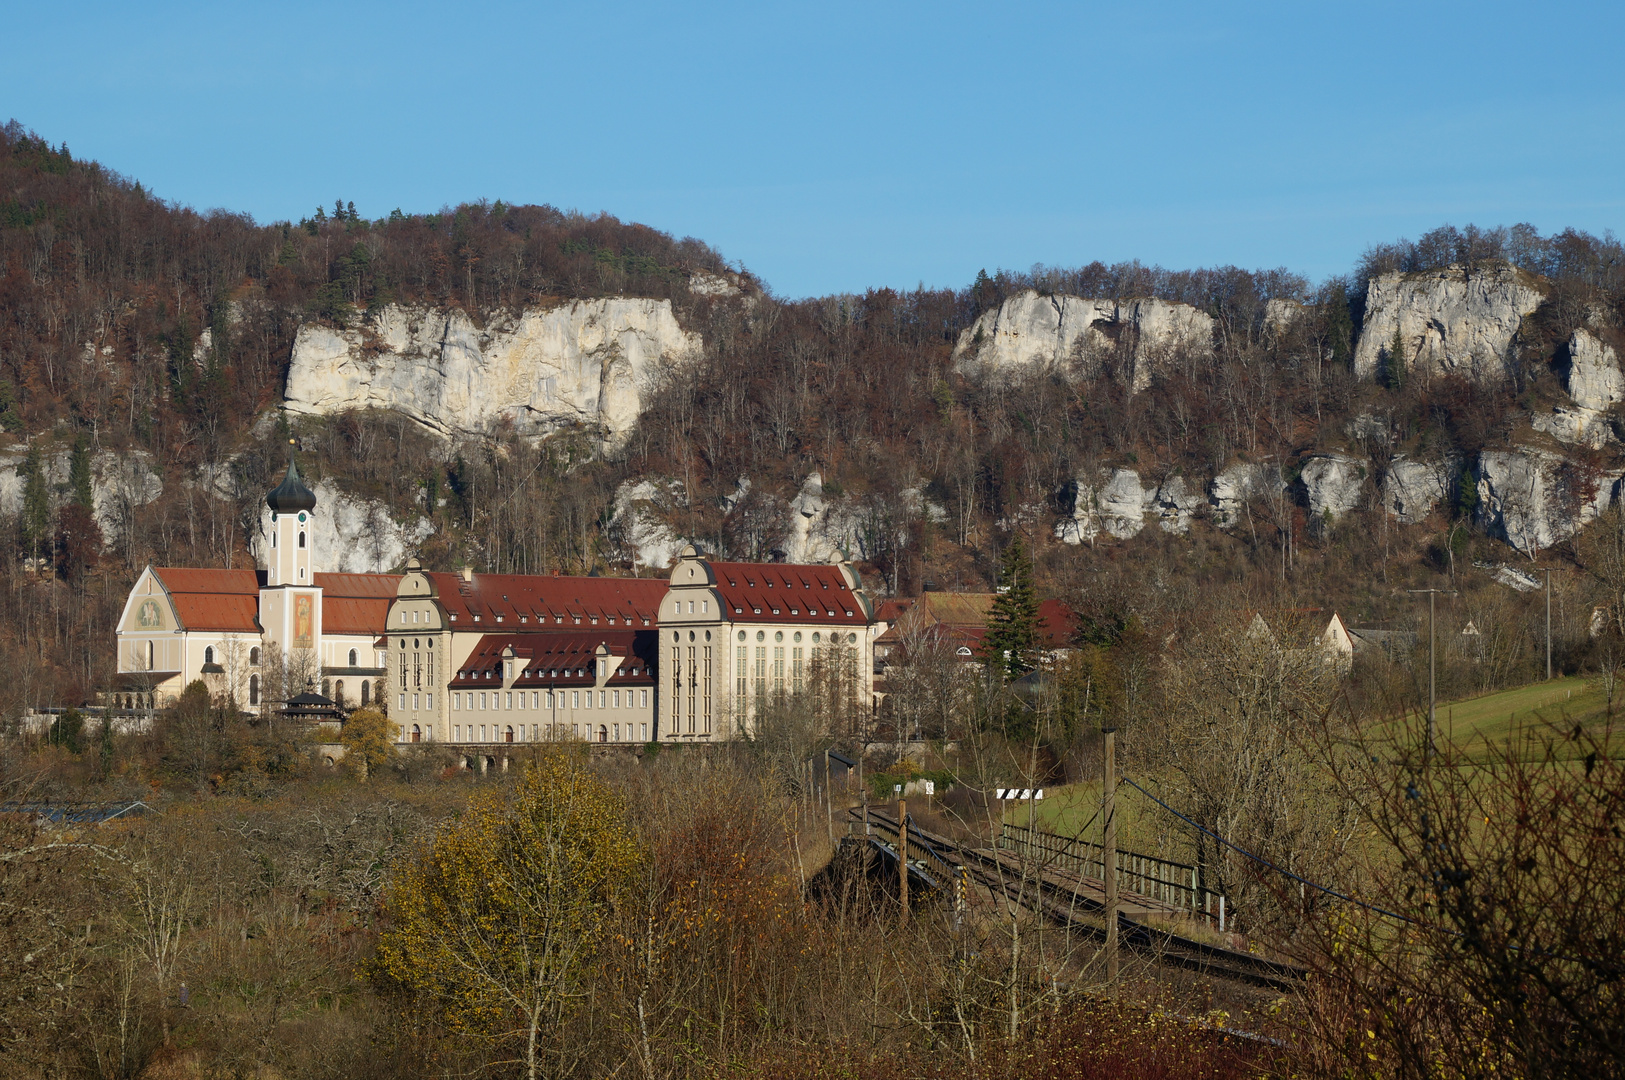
{"x":833,"y":147}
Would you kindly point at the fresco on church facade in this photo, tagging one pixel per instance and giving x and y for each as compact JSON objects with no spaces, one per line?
{"x":304,"y":632}
{"x":151,"y":616}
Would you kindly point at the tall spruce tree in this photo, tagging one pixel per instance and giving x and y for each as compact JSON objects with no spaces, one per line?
{"x":1011,"y":644}
{"x":79,"y":474}
{"x":1396,"y":361}
{"x":36,"y":516}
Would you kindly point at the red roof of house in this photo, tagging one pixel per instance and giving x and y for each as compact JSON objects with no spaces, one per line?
{"x":1057,"y":624}
{"x":526,"y":603}
{"x":554,"y":659}
{"x":787,"y":592}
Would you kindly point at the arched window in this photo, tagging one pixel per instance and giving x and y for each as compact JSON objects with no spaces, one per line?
{"x":366,"y":693}
{"x":508,"y":735}
{"x":253,"y":689}
{"x":301,"y":538}
{"x":352,"y":658}
{"x":273,"y":539}
{"x":338,"y":693}
{"x":149,"y":656}
{"x":417,"y":733}
{"x":208,"y":655}
{"x":254,"y":656}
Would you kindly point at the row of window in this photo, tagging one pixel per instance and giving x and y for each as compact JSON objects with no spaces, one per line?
{"x":539,"y":732}
{"x":545,"y":699}
{"x":254,"y":656}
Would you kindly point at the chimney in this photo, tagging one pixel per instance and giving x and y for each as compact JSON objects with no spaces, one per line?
{"x":468,"y":573}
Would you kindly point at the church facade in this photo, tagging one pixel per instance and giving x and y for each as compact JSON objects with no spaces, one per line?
{"x":259,"y":636}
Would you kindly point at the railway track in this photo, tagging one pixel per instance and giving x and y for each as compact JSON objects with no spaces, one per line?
{"x":1066,"y":901}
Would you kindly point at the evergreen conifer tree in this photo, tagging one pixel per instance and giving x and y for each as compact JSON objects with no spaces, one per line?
{"x":36,"y":517}
{"x":1396,"y":361}
{"x":79,"y":474}
{"x":1011,"y":644}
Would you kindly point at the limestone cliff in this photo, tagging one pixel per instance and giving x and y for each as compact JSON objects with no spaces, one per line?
{"x":582,"y":364}
{"x":121,"y":484}
{"x":1031,"y":331}
{"x":1534,"y":498}
{"x":1591,"y":374}
{"x":1458,"y":319}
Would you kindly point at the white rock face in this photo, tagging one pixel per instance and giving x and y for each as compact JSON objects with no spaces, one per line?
{"x":1281,"y":315}
{"x":1595,"y":384}
{"x":120,"y":485}
{"x":1574,"y":425}
{"x":349,"y":535}
{"x":1030,"y":331}
{"x":638,"y":522}
{"x":1175,"y":504}
{"x":1333,"y":483}
{"x":1593,"y":378}
{"x":1114,"y":502}
{"x":586,"y":363}
{"x":1533,"y":498}
{"x":1450,"y":320}
{"x":1231,"y":489}
{"x":1413,"y":489}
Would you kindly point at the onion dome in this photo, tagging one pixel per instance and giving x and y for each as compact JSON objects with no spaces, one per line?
{"x":292,"y":494}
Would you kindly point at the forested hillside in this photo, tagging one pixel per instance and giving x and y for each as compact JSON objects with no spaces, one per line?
{"x":138,"y":333}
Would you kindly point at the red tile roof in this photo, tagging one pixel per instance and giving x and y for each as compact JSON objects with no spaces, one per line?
{"x":553,"y":659}
{"x":522,"y":603}
{"x":228,"y":600}
{"x":356,"y":603}
{"x":786,"y":592}
{"x":220,"y":600}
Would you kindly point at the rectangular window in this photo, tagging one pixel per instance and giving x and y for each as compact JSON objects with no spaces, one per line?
{"x":617,"y":733}
{"x":550,"y":699}
{"x":796,"y":668}
{"x":589,"y":699}
{"x":428,"y":701}
{"x":482,"y":733}
{"x":456,"y":702}
{"x":403,"y":703}
{"x":705,"y":606}
{"x":575,"y":699}
{"x":615,"y":698}
{"x":510,"y":699}
{"x":644,"y":732}
{"x":457,"y":732}
{"x":601,"y":696}
{"x":575,"y":731}
{"x":402,"y":666}
{"x":417,"y":701}
{"x":643,"y":696}
{"x":778,"y":668}
{"x":482,"y":701}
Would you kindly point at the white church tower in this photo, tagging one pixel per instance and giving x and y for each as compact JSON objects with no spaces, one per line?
{"x":290,"y":601}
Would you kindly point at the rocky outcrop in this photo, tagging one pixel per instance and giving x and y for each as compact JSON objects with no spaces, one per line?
{"x":120,"y":485}
{"x":638,"y":522}
{"x":1114,"y":502}
{"x":349,"y":534}
{"x":1591,"y":374}
{"x":1031,"y":332}
{"x":1534,"y":498}
{"x":1414,"y":489}
{"x":1234,"y":487}
{"x":1332,"y":484}
{"x":1456,"y":320}
{"x":582,"y":364}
